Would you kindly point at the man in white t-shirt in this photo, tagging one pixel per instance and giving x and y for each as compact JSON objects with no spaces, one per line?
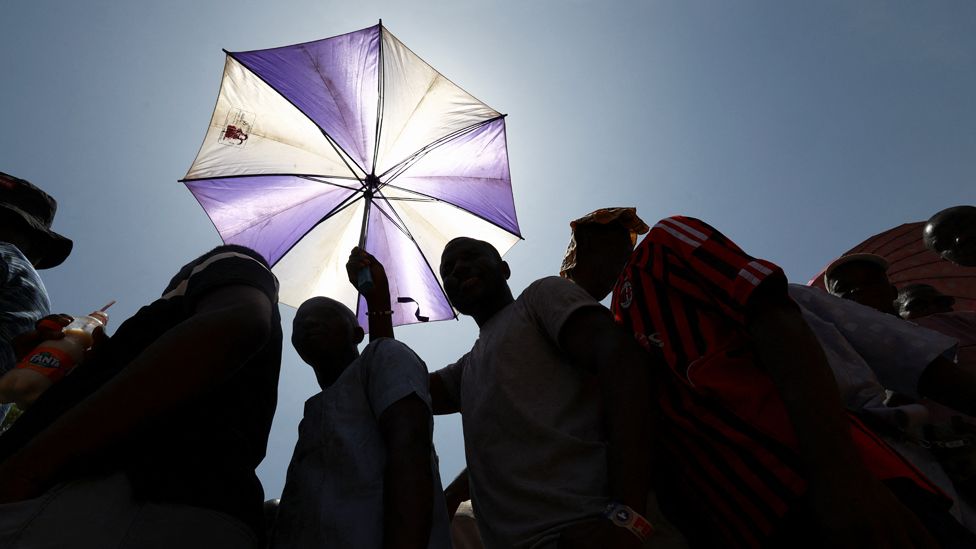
{"x":364,"y":473}
{"x":554,"y":400}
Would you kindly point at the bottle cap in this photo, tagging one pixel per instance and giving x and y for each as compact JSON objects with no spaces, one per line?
{"x":100,"y":316}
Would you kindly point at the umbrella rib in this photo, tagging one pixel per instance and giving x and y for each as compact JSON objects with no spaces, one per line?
{"x":423,"y":256}
{"x":304,"y":175}
{"x":310,"y":119}
{"x":449,"y":203}
{"x":399,"y":225}
{"x":342,"y":156}
{"x":348,"y":201}
{"x":408,"y":161}
{"x":397,"y":171}
{"x":380,"y":84}
{"x":313,"y":178}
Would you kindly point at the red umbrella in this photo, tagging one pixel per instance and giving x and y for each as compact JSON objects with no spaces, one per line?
{"x":909,"y":261}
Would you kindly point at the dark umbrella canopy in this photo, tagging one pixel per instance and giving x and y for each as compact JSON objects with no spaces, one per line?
{"x":909,"y":262}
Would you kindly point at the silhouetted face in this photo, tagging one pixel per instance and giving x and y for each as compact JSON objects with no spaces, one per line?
{"x":951,"y":233}
{"x":864,"y":283}
{"x":323,"y":329}
{"x":601,"y":253}
{"x":473,"y":273}
{"x":921,"y":300}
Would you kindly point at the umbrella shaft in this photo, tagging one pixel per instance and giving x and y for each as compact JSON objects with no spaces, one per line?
{"x":364,"y":280}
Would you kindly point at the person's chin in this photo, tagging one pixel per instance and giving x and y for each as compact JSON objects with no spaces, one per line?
{"x":465,"y":303}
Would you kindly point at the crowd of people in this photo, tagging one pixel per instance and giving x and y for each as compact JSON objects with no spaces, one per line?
{"x":712,"y":405}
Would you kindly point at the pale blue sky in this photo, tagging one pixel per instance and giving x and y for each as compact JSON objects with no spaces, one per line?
{"x":798,"y":128}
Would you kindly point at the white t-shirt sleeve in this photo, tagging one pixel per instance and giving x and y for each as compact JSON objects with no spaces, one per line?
{"x":897,"y":351}
{"x":552,"y":300}
{"x":451,"y":379}
{"x":392,"y":371}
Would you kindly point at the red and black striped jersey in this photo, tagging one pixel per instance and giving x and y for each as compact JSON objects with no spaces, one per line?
{"x":725,"y":429}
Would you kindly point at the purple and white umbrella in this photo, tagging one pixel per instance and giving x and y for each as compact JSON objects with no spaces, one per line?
{"x":317,"y":147}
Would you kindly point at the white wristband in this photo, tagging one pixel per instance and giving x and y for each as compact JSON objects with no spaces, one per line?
{"x":625,"y":517}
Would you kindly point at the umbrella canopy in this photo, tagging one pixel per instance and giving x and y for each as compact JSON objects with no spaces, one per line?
{"x":353,"y":140}
{"x":909,"y":261}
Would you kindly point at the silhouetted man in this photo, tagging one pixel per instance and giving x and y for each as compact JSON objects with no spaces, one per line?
{"x":26,"y":243}
{"x":605,"y":238}
{"x":756,"y":447}
{"x":364,"y":473}
{"x":154,"y":444}
{"x":553,"y":400}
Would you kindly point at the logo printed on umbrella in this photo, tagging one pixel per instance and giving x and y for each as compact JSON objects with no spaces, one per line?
{"x":237,"y":127}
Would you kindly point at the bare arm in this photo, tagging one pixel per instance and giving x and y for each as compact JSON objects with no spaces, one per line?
{"x":229,"y":325}
{"x":440,"y":399}
{"x":378,"y":297}
{"x":592,"y":340}
{"x":457,"y":492}
{"x":848,"y":502}
{"x":408,"y":482}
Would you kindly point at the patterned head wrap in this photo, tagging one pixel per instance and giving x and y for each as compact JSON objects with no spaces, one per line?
{"x":625,"y":217}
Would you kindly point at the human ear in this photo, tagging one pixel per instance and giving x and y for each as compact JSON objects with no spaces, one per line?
{"x":506,"y":270}
{"x":358,"y":334}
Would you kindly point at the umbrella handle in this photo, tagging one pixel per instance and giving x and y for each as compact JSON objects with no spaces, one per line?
{"x":364,"y":280}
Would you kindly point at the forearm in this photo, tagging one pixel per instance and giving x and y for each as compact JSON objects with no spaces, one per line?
{"x":440,"y":399}
{"x":794,"y":359}
{"x":206,"y":347}
{"x":457,"y":492}
{"x":625,"y":387}
{"x":408,"y":500}
{"x":380,"y":325}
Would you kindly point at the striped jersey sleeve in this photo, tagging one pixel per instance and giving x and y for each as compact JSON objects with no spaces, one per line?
{"x":226,"y":268}
{"x":698,"y":261}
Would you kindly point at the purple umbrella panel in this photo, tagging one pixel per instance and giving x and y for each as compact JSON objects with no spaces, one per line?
{"x":318,"y":147}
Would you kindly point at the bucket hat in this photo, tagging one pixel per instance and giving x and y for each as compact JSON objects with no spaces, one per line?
{"x":23,"y":204}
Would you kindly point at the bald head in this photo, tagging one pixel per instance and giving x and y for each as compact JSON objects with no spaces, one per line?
{"x":326,"y":305}
{"x":951,"y":233}
{"x":326,"y":335}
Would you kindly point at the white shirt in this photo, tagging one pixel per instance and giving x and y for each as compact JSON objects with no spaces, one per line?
{"x":333,"y":495}
{"x":533,"y":423}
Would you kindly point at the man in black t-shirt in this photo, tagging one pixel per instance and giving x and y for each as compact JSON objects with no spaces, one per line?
{"x":156,"y":441}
